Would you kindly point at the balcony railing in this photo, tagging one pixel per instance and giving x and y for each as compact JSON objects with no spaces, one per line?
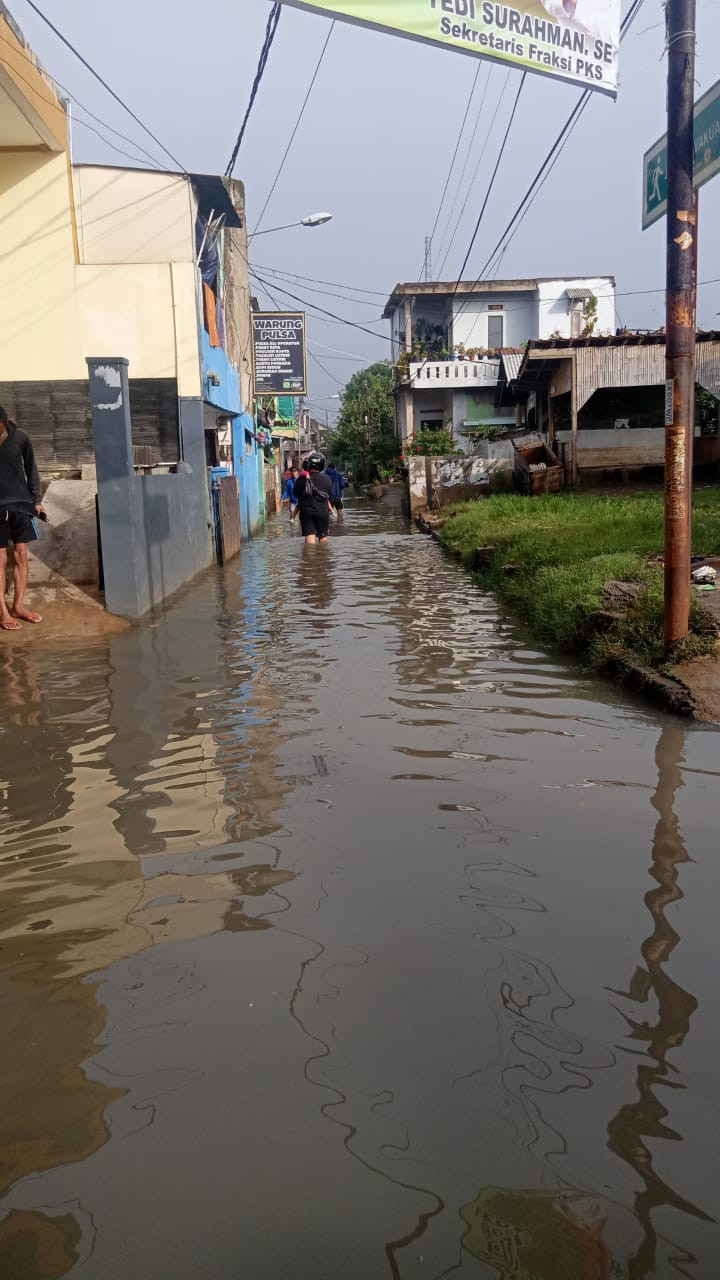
{"x":461,"y":375}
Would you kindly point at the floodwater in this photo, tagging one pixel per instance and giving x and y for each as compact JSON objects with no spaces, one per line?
{"x":344,"y":934}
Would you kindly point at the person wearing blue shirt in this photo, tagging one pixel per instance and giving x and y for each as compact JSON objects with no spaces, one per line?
{"x":339,"y":483}
{"x":289,"y":490}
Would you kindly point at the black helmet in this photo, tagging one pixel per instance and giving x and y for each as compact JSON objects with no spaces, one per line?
{"x":315,"y":462}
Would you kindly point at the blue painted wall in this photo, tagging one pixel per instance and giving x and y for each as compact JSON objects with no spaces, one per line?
{"x":227,"y":395}
{"x":248,"y":467}
{"x":252,"y":498}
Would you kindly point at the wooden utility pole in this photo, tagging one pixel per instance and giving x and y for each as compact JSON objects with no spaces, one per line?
{"x":680,"y":326}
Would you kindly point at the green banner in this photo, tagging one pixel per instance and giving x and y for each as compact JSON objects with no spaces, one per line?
{"x":573,"y":40}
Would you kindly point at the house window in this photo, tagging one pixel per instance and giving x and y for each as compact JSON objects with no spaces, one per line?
{"x":576,"y":320}
{"x":495,"y":331}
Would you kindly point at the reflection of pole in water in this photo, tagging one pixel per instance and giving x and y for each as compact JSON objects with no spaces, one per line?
{"x":675,"y":1007}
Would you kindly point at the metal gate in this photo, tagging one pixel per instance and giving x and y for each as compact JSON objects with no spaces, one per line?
{"x":230,"y":530}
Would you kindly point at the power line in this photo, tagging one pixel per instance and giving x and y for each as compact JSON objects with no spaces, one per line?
{"x":466,"y":162}
{"x":457,"y":148}
{"x":538,"y":180}
{"x":353,"y":324}
{"x":491,"y":183}
{"x":105,"y":84}
{"x":359,"y":302}
{"x":333,"y":378}
{"x":112,"y":145}
{"x":138,"y":146}
{"x":292,"y":275}
{"x":270,"y":30}
{"x":301,"y":113}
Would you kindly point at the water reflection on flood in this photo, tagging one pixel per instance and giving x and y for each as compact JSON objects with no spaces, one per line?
{"x":451,"y":1040}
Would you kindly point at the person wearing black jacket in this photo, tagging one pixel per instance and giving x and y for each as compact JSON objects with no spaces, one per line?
{"x":313,"y":494}
{"x":20,"y":502}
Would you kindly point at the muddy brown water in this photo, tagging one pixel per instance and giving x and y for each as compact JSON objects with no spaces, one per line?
{"x":343,"y":933}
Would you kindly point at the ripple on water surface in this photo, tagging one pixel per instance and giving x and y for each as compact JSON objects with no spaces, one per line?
{"x":473,"y":1024}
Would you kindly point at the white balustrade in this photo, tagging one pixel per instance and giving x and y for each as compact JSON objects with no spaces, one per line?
{"x":460,"y":374}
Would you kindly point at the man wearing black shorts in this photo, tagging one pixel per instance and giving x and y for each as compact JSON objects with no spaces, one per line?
{"x":313,"y":493}
{"x":20,"y":502}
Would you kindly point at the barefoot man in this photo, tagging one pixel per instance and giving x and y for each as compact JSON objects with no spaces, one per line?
{"x":20,"y":502}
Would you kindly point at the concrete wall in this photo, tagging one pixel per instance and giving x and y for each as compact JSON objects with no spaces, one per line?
{"x":148,"y":310}
{"x":56,"y":312}
{"x":131,"y":216}
{"x":225,"y":396}
{"x":471,"y":313}
{"x":154,"y":529}
{"x":554,"y":305}
{"x":605,"y":450}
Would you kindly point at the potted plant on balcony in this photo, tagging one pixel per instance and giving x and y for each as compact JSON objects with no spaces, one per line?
{"x":459,"y":351}
{"x":402,"y":365}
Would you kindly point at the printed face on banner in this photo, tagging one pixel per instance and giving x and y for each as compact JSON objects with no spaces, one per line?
{"x":573,"y":40}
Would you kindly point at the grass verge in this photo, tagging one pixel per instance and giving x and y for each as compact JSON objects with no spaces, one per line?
{"x":552,"y":556}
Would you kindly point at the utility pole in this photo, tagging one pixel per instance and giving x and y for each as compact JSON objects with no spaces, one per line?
{"x":680,"y":324}
{"x":428,"y":258}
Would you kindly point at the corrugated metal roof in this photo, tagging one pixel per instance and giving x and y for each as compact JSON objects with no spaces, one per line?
{"x":511,"y":361}
{"x":579,"y":295}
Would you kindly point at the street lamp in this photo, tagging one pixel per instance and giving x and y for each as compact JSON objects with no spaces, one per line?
{"x":312,"y":220}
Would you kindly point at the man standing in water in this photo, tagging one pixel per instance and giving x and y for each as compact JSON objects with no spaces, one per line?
{"x":20,"y":502}
{"x":313,"y":493}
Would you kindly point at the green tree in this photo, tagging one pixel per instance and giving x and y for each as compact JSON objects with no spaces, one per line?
{"x":364,"y":438}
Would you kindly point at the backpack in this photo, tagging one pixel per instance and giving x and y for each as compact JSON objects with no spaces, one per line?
{"x":313,"y":491}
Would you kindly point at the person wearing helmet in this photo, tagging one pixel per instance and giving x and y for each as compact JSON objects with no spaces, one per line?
{"x":313,"y":494}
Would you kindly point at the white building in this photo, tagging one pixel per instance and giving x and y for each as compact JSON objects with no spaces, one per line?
{"x":447,"y":338}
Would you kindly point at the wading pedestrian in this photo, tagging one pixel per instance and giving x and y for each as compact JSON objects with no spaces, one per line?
{"x":20,"y":503}
{"x":313,"y":492}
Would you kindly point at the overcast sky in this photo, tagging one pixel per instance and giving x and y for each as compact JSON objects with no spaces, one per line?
{"x":374,"y":148}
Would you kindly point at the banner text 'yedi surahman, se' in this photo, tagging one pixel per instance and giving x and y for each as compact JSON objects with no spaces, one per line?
{"x":573,"y":40}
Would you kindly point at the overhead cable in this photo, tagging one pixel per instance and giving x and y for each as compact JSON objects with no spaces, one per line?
{"x":270,"y":30}
{"x":493,"y":176}
{"x":488,"y":134}
{"x":296,"y":126}
{"x":548,"y":163}
{"x":455,"y":152}
{"x":338,"y":284}
{"x":353,"y":324}
{"x":328,"y":293}
{"x":105,"y":84}
{"x":158,"y":164}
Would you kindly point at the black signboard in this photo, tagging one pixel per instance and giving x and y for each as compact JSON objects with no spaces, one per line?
{"x":279,"y":353}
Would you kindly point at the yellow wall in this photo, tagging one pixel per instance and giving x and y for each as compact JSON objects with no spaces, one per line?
{"x":55,"y":313}
{"x":145,"y":312}
{"x":39,"y":324}
{"x":127,"y":215}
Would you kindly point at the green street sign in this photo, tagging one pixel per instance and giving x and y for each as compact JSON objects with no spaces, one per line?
{"x":706,"y":130}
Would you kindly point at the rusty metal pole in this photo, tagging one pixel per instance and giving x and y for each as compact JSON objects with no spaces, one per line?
{"x":680,"y":317}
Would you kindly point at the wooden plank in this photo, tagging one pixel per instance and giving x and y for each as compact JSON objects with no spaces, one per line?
{"x":230,"y":529}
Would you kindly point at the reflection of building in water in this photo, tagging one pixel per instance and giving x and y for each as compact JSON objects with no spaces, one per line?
{"x":645,"y":1118}
{"x":539,"y":1235}
{"x":36,"y":1247}
{"x":155,"y":761}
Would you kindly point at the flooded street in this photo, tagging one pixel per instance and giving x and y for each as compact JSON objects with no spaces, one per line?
{"x":343,"y":934}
